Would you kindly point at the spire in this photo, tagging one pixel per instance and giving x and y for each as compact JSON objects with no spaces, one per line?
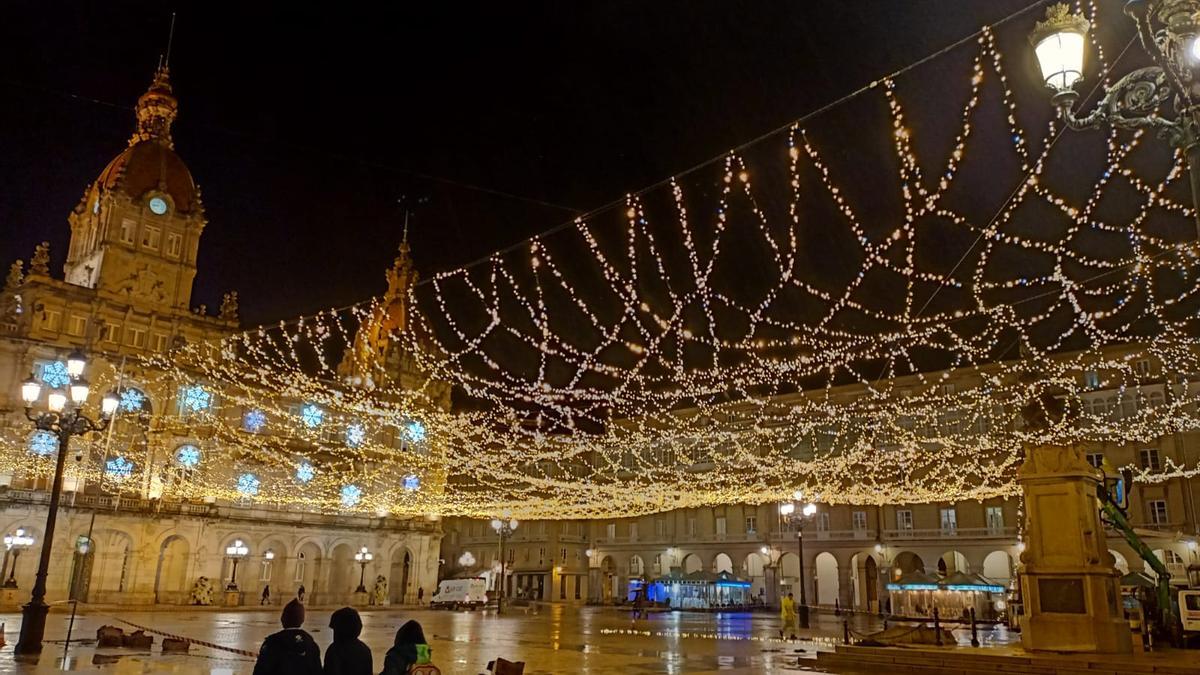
{"x":156,"y":110}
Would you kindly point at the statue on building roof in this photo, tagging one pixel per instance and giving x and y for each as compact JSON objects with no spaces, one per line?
{"x":229,"y":306}
{"x":40,"y":263}
{"x":16,"y":275}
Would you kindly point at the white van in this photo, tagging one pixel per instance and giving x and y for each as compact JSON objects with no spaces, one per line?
{"x":455,"y":593}
{"x":1189,"y":611}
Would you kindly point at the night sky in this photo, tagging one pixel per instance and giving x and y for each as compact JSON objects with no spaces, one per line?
{"x":304,"y":123}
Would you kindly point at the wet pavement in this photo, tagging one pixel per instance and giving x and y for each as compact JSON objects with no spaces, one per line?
{"x":550,"y":639}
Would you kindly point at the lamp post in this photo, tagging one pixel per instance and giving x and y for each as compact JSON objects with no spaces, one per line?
{"x":15,"y":543}
{"x":799,"y":518}
{"x":64,"y":417}
{"x":362,"y":558}
{"x":1168,"y":31}
{"x":235,"y":551}
{"x":504,"y":527}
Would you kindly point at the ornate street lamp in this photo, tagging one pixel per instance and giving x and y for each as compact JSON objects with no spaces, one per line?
{"x":504,"y":528}
{"x":235,"y":552}
{"x":363,"y":557}
{"x":799,"y":518}
{"x":14,"y":544}
{"x":1168,"y":32}
{"x":64,"y":420}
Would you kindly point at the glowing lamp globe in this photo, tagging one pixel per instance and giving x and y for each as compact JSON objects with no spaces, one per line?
{"x":79,"y":391}
{"x":108,"y":404}
{"x":809,"y":509}
{"x":787,"y":508}
{"x":76,"y":362}
{"x":56,"y":400}
{"x":31,"y":390}
{"x":1059,"y":43}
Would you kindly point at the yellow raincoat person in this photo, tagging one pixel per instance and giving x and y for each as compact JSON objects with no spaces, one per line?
{"x":787,"y":617}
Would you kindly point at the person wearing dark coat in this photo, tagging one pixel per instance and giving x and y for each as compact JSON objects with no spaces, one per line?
{"x":291,"y":651}
{"x":409,"y":649}
{"x":347,"y":655}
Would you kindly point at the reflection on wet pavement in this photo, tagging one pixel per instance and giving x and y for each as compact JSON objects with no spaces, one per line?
{"x":553,"y":639}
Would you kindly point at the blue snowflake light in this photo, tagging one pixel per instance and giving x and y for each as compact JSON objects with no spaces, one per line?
{"x":254,"y":420}
{"x":351,"y":495}
{"x":132,"y":400}
{"x":305,"y":472}
{"x":247,"y":485}
{"x":195,"y":398}
{"x":118,"y":468}
{"x":188,"y":456}
{"x":412,"y":482}
{"x":54,"y":375}
{"x":415,"y":430}
{"x":355,"y":435}
{"x":43,"y":443}
{"x":312,"y":415}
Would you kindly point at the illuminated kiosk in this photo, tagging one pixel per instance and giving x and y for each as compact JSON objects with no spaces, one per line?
{"x":700,"y":591}
{"x":916,"y":594}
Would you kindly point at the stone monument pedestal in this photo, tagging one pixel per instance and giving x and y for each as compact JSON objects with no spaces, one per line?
{"x":1069,"y":586}
{"x":233,"y":598}
{"x":361,"y":599}
{"x":10,"y":598}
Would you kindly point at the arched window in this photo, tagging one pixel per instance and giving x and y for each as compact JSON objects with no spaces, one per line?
{"x":298,"y":577}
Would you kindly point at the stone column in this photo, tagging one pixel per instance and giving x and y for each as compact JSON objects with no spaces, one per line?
{"x":1069,"y":587}
{"x":845,"y":586}
{"x":771,"y":579}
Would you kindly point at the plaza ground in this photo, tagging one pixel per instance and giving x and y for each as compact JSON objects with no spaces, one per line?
{"x":550,"y":639}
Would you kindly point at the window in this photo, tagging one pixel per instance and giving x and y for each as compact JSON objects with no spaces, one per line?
{"x":904,"y":519}
{"x":660,"y":528}
{"x":174,"y":244}
{"x":577,"y":584}
{"x":751,"y":524}
{"x":159,"y":342}
{"x":720,"y":525}
{"x":691,"y":526}
{"x":611,"y":531}
{"x":52,"y":319}
{"x":1142,"y":367}
{"x":298,"y":577}
{"x":265,"y":574}
{"x":1091,"y":379}
{"x":111,"y":333}
{"x":77,"y":326}
{"x":1096,"y":459}
{"x":949,"y":520}
{"x":150,"y":237}
{"x":823,"y":521}
{"x":127,"y":229}
{"x":1156,"y":512}
{"x":136,"y":337}
{"x":1149,"y":459}
{"x":563,"y":554}
{"x":541,"y":555}
{"x":633,"y":532}
{"x":859,"y":519}
{"x":562,"y":587}
{"x":947,"y":389}
{"x":512,"y":554}
{"x":994,"y":515}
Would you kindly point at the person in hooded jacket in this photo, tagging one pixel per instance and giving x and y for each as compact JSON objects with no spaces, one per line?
{"x":291,"y":651}
{"x":410,"y":649}
{"x":347,"y":655}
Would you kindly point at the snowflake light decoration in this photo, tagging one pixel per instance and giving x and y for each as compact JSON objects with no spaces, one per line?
{"x":305,"y":472}
{"x":351,"y":495}
{"x":118,"y":468}
{"x":355,"y":435}
{"x":247,"y":484}
{"x":415,"y":431}
{"x":188,"y":456}
{"x":195,"y":398}
{"x":412,"y":482}
{"x":312,"y":415}
{"x":254,"y":420}
{"x":132,"y":400}
{"x":54,"y":375}
{"x":43,"y":443}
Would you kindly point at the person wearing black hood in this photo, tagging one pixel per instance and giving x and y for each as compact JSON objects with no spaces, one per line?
{"x":409,"y":650}
{"x":291,"y":651}
{"x":347,"y":655}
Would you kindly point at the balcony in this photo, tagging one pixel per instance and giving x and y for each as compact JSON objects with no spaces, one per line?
{"x":952,"y":533}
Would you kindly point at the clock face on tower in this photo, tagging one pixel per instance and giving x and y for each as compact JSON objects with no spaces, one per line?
{"x":158,"y":205}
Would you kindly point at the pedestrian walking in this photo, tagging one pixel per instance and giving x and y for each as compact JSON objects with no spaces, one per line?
{"x":420,"y":596}
{"x":347,"y":655}
{"x":300,"y":593}
{"x":787,"y":616}
{"x":291,"y":651}
{"x":266,"y":596}
{"x":409,"y":652}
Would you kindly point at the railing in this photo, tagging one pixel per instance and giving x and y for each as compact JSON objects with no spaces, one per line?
{"x":953,"y":532}
{"x":228,"y":512}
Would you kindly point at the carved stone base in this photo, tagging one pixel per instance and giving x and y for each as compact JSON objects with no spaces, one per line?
{"x":1069,"y":585}
{"x":233,"y":598}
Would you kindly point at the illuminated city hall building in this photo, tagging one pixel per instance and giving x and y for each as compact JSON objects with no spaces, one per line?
{"x":126,"y":291}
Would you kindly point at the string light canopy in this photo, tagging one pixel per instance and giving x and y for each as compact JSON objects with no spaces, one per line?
{"x":860,"y":312}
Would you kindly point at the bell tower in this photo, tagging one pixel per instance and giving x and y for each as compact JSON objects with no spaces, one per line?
{"x":136,"y":231}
